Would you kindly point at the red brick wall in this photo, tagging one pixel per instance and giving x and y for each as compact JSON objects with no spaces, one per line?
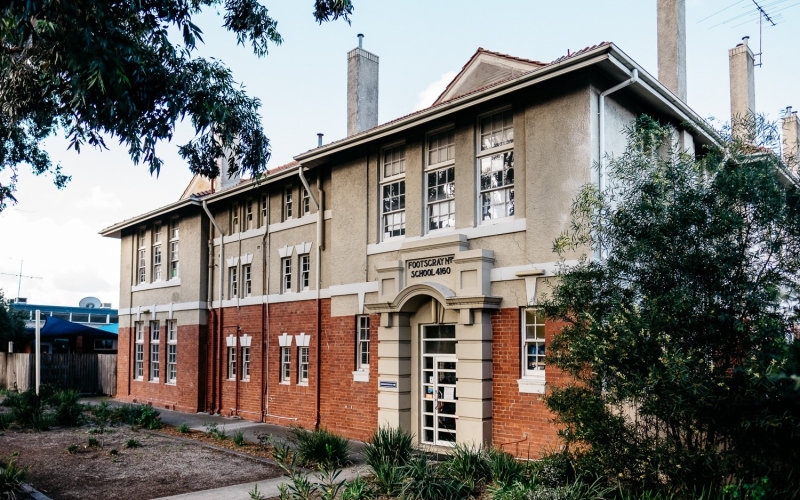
{"x":517,"y":415}
{"x":185,"y":394}
{"x":348,"y":408}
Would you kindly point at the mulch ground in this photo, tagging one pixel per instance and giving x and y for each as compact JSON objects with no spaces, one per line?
{"x":162,"y":466}
{"x":203,"y":437}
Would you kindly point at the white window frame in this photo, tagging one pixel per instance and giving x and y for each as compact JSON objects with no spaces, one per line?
{"x":288,"y":203}
{"x":174,"y":249}
{"x":306,"y":202}
{"x":286,"y":365}
{"x":231,"y":363}
{"x":362,"y":343}
{"x":536,"y":369}
{"x":506,"y":148}
{"x":304,"y":261}
{"x":264,"y":208}
{"x":172,"y":352}
{"x":245,"y":364}
{"x":156,"y":252}
{"x":138,"y":363}
{"x":103,"y":348}
{"x":233,"y":282}
{"x":249,"y":216}
{"x":155,"y":354}
{"x":448,"y":164}
{"x":235,"y":227}
{"x":141,"y":256}
{"x":302,"y":365}
{"x":286,"y":275}
{"x":247,"y":280}
{"x":394,"y":178}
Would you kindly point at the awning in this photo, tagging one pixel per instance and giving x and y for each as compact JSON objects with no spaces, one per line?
{"x":55,"y":327}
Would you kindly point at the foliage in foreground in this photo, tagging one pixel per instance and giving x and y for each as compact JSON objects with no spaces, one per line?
{"x":321,"y":448}
{"x":96,"y":70}
{"x":12,"y":322}
{"x":679,"y":336}
{"x":50,"y":407}
{"x":12,"y":477}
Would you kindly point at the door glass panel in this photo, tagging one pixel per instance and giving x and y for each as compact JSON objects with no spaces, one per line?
{"x":438,"y":384}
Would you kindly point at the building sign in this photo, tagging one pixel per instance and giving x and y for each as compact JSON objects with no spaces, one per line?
{"x":436,"y":266}
{"x":390,"y":385}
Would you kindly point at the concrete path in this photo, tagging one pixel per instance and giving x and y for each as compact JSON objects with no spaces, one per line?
{"x":267,"y":488}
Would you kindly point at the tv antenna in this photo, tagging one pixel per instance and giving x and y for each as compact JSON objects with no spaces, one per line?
{"x":19,"y":275}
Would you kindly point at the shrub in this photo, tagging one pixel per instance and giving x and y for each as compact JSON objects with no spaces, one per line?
{"x":133,"y":443}
{"x":423,"y":483}
{"x":264,"y":439}
{"x":113,"y":452}
{"x":93,"y":442}
{"x":357,"y":489}
{"x":468,"y":464}
{"x":388,"y":450}
{"x":321,"y":448}
{"x":72,"y":449}
{"x":255,"y":494}
{"x":11,"y":479}
{"x":214,"y":431}
{"x":68,"y":412}
{"x":504,"y":468}
{"x":6,"y":420}
{"x":149,"y":418}
{"x":238,"y":438}
{"x":184,"y":429}
{"x":554,"y":470}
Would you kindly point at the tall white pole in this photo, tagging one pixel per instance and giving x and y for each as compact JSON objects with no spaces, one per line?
{"x":38,"y":349}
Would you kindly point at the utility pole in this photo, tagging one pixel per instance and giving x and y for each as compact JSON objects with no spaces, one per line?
{"x":20,"y":276}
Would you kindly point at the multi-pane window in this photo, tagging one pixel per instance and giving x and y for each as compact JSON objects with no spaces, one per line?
{"x":233,"y":279}
{"x":249,"y":216}
{"x":533,"y":342}
{"x":174,"y":248}
{"x":286,"y":275}
{"x":235,"y":218}
{"x":496,"y":166}
{"x":305,"y":270}
{"x":393,"y":192}
{"x":157,"y":252}
{"x":306,"y":202}
{"x":155,"y":365}
{"x":287,"y":203}
{"x":231,"y":363}
{"x":286,"y":364}
{"x":138,"y":368}
{"x":441,"y":198}
{"x":264,"y":205}
{"x":142,"y":274}
{"x":441,"y":147}
{"x":172,"y":351}
{"x":302,"y":364}
{"x":245,"y":363}
{"x":362,"y":342}
{"x":247,"y":277}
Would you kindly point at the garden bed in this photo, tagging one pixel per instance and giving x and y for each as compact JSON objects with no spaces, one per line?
{"x":255,"y":450}
{"x":160,"y":467}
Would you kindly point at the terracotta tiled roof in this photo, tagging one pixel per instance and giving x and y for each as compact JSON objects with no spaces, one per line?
{"x":390,"y":122}
{"x":271,"y":171}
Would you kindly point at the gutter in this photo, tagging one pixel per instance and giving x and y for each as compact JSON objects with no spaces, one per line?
{"x":319,"y":245}
{"x":217,"y":339}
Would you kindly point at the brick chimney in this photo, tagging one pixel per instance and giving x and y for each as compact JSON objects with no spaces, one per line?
{"x":791,"y":139}
{"x":743,"y":87}
{"x":362,"y":89}
{"x":672,"y":46}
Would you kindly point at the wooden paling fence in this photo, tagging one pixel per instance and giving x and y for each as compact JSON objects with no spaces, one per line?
{"x":87,"y":373}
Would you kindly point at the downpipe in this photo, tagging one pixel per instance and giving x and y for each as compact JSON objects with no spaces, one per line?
{"x":215,"y":375}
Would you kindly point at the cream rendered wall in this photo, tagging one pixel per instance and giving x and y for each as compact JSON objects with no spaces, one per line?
{"x":348,"y":194}
{"x":465,"y":141}
{"x":290,"y":238}
{"x":126,"y":263}
{"x":414,"y":186}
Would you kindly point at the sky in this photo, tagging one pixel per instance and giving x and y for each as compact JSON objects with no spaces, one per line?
{"x":422,"y":44}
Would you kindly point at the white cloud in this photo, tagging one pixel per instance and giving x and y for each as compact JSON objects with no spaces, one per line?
{"x":100,"y":199}
{"x":432,"y":91}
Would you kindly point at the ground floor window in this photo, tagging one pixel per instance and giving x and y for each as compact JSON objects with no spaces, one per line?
{"x":533,"y":343}
{"x":231,"y":363}
{"x":172,"y":351}
{"x":245,"y":363}
{"x":138,"y":369}
{"x":286,"y":364}
{"x":302,"y":365}
{"x":362,"y":342}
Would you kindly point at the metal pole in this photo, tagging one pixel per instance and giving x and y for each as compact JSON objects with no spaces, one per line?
{"x":19,"y":281}
{"x":38,"y":349}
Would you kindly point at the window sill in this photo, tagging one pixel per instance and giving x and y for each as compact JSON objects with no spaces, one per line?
{"x":302,"y":384}
{"x":361,"y":376}
{"x":156,"y":284}
{"x":153,"y":381}
{"x":502,"y":220}
{"x":173,"y":383}
{"x":284,"y":382}
{"x":531,"y":385}
{"x":139,"y":379}
{"x":245,"y":380}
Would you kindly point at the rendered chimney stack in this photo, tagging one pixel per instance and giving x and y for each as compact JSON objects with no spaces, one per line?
{"x":362,"y":89}
{"x":672,"y":46}
{"x":791,"y":139}
{"x":225,"y":181}
{"x":743,"y":87}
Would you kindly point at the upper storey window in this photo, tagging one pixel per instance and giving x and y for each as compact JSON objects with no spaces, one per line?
{"x":141,"y":259}
{"x":157,"y":252}
{"x":235,"y":218}
{"x":440,"y":181}
{"x":496,"y":166}
{"x":393,"y":192}
{"x":288,"y":204}
{"x":174,"y":248}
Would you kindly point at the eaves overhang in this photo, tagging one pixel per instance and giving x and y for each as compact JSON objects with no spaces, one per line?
{"x":115,"y":231}
{"x":609,"y":58}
